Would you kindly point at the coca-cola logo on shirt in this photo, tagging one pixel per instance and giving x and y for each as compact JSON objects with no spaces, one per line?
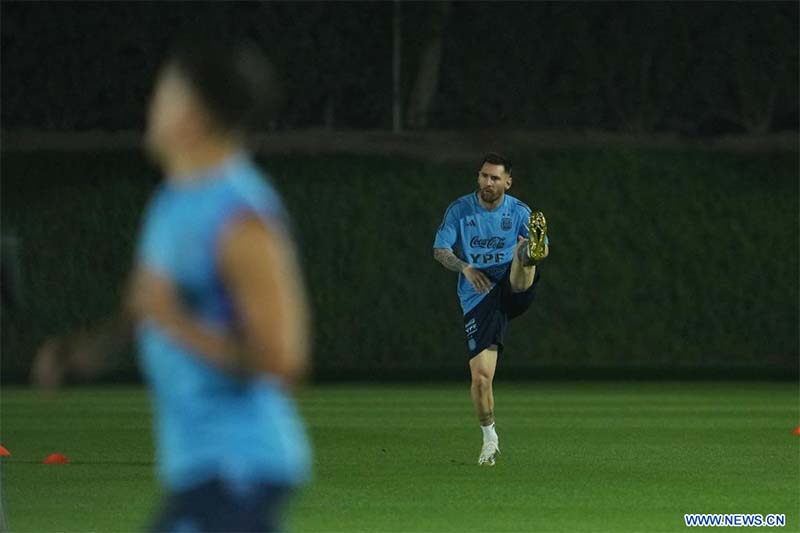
{"x":493,"y":243}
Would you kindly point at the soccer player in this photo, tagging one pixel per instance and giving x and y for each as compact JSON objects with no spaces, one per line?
{"x":494,"y":242}
{"x":217,"y":302}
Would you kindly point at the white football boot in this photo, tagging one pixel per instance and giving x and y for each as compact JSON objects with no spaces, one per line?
{"x":489,"y":453}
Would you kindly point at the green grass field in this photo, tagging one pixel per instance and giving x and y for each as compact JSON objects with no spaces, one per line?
{"x":597,"y":456}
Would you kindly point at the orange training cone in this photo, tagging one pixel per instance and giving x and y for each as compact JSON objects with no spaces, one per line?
{"x":4,"y":451}
{"x":56,"y":459}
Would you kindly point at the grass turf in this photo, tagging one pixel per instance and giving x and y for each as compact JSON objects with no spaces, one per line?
{"x":602,"y":456}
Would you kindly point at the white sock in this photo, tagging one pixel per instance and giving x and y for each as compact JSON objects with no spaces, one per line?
{"x":489,"y":434}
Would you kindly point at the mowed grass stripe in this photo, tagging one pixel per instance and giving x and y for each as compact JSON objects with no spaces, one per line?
{"x":576,"y":457}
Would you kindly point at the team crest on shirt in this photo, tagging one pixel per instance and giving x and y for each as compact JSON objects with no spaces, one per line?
{"x":505,"y":224}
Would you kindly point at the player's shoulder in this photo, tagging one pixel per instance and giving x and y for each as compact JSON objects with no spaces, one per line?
{"x":250,"y":184}
{"x":461,"y":206}
{"x":464,"y":202}
{"x":157,"y":203}
{"x":519,"y":205}
{"x":248,"y":190}
{"x":247,"y":178}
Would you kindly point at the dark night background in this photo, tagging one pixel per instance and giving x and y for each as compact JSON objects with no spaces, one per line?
{"x":696,"y":68}
{"x":659,"y":138}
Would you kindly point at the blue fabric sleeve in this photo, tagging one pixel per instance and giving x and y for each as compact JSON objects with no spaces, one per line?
{"x":447,"y":234}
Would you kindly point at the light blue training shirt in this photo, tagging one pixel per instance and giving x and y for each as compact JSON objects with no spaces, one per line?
{"x":484,"y":239}
{"x":210,"y":424}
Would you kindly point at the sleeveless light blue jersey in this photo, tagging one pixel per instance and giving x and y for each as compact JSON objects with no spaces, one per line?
{"x":484,"y":239}
{"x":208,"y":423}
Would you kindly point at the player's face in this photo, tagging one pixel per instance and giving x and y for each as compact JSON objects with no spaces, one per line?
{"x":493,"y":182}
{"x":174,"y":117}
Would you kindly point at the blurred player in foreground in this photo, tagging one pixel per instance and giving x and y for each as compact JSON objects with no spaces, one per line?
{"x":499,"y":242}
{"x":217,"y":303}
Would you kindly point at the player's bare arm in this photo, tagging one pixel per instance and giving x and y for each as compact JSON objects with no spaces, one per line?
{"x":260,"y":268}
{"x":92,"y":352}
{"x":84,"y":354}
{"x":154,"y":297}
{"x":450,"y":261}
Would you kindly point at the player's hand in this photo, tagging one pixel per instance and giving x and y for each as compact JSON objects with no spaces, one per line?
{"x":478,"y":279}
{"x":154,"y":297}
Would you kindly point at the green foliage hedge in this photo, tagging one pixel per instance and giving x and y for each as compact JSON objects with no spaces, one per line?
{"x":666,"y":260}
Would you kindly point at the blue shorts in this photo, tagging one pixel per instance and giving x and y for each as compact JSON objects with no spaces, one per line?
{"x":486,"y":323}
{"x":217,"y":505}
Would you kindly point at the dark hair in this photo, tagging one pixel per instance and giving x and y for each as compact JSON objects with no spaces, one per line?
{"x":493,"y":158}
{"x":235,"y":82}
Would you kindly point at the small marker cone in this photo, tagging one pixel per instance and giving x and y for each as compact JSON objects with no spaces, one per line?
{"x":56,"y":459}
{"x":4,"y":451}
{"x":796,"y":431}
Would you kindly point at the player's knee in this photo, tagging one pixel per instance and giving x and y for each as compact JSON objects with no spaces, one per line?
{"x":481,"y":381}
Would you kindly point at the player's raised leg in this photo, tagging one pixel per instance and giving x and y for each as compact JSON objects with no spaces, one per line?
{"x":528,"y":253}
{"x":522,"y":274}
{"x":482,"y":368}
